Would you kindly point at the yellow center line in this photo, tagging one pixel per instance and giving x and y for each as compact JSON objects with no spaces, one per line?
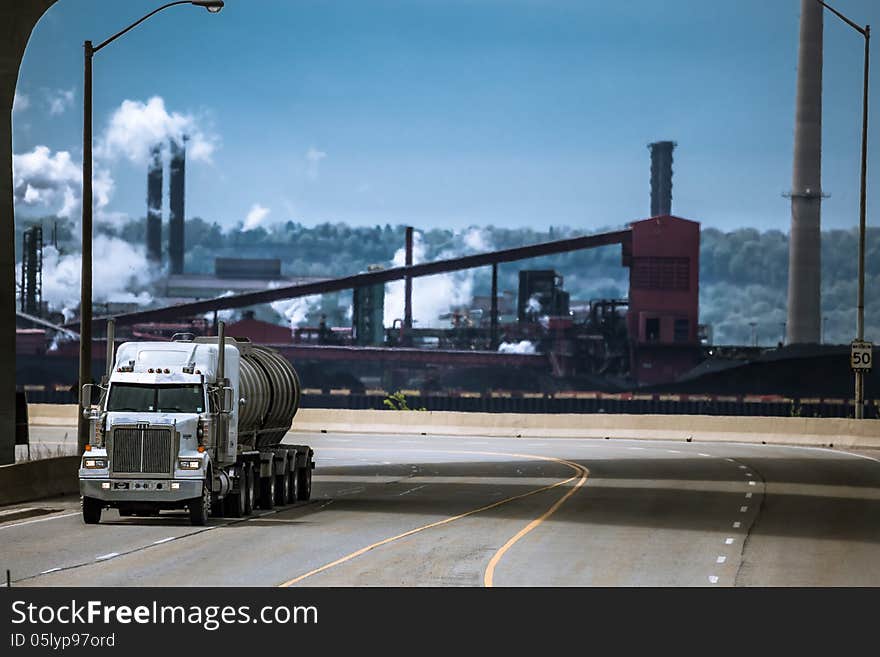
{"x":493,"y":562}
{"x":578,"y":469}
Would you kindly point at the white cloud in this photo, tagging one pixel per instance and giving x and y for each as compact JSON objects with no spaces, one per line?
{"x":255,"y":216}
{"x":20,"y":102}
{"x":313,"y":159}
{"x":135,"y":127}
{"x":60,"y":100}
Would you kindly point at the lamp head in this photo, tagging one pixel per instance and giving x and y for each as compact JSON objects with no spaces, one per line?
{"x":213,"y":6}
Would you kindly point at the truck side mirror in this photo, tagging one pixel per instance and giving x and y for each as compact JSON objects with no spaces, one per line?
{"x":85,"y":397}
{"x":228,"y":405}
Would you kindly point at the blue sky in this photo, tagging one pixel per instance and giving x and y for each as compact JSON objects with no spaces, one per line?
{"x":460,"y":112}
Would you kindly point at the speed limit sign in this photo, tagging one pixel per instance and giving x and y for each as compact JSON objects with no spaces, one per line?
{"x":861,"y":355}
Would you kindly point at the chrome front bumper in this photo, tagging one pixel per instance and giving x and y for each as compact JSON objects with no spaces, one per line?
{"x":156,"y":490}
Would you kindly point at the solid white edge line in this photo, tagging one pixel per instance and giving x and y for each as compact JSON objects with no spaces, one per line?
{"x":752,"y":483}
{"x":51,"y":570}
{"x":30,"y":522}
{"x":104,"y":557}
{"x":164,"y":540}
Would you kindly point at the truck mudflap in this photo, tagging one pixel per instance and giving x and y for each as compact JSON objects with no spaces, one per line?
{"x":140,"y":490}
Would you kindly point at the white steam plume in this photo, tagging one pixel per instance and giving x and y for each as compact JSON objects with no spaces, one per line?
{"x":255,"y":216}
{"x":523,"y":347}
{"x":296,"y":311}
{"x":136,"y":127}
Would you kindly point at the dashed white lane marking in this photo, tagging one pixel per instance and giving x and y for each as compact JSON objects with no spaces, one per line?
{"x":742,"y":467}
{"x":109,"y":555}
{"x":636,"y":448}
{"x":713,"y":579}
{"x":51,"y":570}
{"x":749,"y":474}
{"x":411,"y":490}
{"x":721,"y":559}
{"x":729,"y":459}
{"x":673,"y":451}
{"x":737,"y":524}
{"x":351,"y":491}
{"x":728,"y":541}
{"x":748,"y":496}
{"x":743,"y":509}
{"x":164,"y":540}
{"x":702,"y":454}
{"x":752,"y":483}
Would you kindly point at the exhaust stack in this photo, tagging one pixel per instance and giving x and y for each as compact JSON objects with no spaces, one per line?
{"x":221,"y":353}
{"x":111,"y":347}
{"x":661,"y":177}
{"x":804,"y":250}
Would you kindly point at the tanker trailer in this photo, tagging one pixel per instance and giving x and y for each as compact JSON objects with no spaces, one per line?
{"x":186,"y":424}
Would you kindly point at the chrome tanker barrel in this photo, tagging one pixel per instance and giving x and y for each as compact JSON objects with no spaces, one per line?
{"x":271,"y":390}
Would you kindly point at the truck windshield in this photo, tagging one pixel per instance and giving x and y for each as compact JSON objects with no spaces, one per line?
{"x":156,"y":399}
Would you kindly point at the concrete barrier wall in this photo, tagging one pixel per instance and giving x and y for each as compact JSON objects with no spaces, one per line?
{"x":35,"y":480}
{"x":52,"y":415}
{"x":839,"y":432}
{"x":842,"y":433}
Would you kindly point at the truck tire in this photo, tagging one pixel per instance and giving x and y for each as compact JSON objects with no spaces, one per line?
{"x":292,"y":486}
{"x":125,"y":513}
{"x":267,"y":492}
{"x":305,"y":483}
{"x":91,"y":510}
{"x":200,"y":508}
{"x":250,"y":494}
{"x":235,"y":501}
{"x":282,"y":489}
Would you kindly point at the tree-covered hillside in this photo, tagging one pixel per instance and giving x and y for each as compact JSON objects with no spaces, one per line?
{"x":743,"y":273}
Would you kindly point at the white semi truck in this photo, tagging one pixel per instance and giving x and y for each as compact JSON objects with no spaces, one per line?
{"x":186,"y":424}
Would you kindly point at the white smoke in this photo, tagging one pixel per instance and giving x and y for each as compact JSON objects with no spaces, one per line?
{"x":432,"y":295}
{"x":121,"y":272}
{"x":523,"y":347}
{"x":296,"y":311}
{"x":135,"y":127}
{"x":255,"y":216}
{"x":476,"y":240}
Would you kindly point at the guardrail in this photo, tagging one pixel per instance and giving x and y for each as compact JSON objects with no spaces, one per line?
{"x":566,"y":402}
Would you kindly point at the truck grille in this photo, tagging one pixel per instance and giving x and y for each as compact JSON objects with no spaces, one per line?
{"x":141,"y":451}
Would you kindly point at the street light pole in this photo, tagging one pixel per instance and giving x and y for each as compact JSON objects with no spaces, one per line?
{"x":85,"y":322}
{"x":860,"y":307}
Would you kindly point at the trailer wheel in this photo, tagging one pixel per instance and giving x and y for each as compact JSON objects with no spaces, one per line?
{"x":125,"y":513}
{"x":292,"y":487}
{"x":91,"y":510}
{"x":305,"y":483}
{"x":267,"y":492}
{"x":248,"y":475}
{"x":200,"y":508}
{"x":282,"y":489}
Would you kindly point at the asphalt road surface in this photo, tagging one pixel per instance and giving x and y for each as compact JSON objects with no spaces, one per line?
{"x":448,"y":511}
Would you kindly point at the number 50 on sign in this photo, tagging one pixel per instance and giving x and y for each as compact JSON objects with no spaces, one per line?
{"x":861,"y":356}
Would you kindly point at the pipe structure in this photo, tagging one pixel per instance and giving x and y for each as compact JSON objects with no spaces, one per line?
{"x":494,"y":318}
{"x":804,"y":254}
{"x":111,"y":345}
{"x":407,"y":301}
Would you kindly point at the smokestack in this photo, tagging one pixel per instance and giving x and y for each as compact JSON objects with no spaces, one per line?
{"x":661,"y":177}
{"x":804,"y":265}
{"x":177,"y":189}
{"x":154,"y":205}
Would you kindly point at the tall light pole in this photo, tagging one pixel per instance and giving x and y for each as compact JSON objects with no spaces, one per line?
{"x":85,"y":322}
{"x":860,"y":309}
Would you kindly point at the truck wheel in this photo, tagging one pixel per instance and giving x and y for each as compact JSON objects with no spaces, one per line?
{"x":267,"y":492}
{"x":125,"y":513}
{"x":250,"y":494}
{"x":292,"y":488}
{"x":235,"y":501}
{"x":282,"y":488}
{"x":91,"y":509}
{"x":200,"y":508}
{"x":305,"y":483}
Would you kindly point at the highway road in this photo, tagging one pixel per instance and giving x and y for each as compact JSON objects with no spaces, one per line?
{"x":452,"y":511}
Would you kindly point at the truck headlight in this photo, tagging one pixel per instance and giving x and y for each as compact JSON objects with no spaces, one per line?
{"x":93,"y":464}
{"x":186,"y":464}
